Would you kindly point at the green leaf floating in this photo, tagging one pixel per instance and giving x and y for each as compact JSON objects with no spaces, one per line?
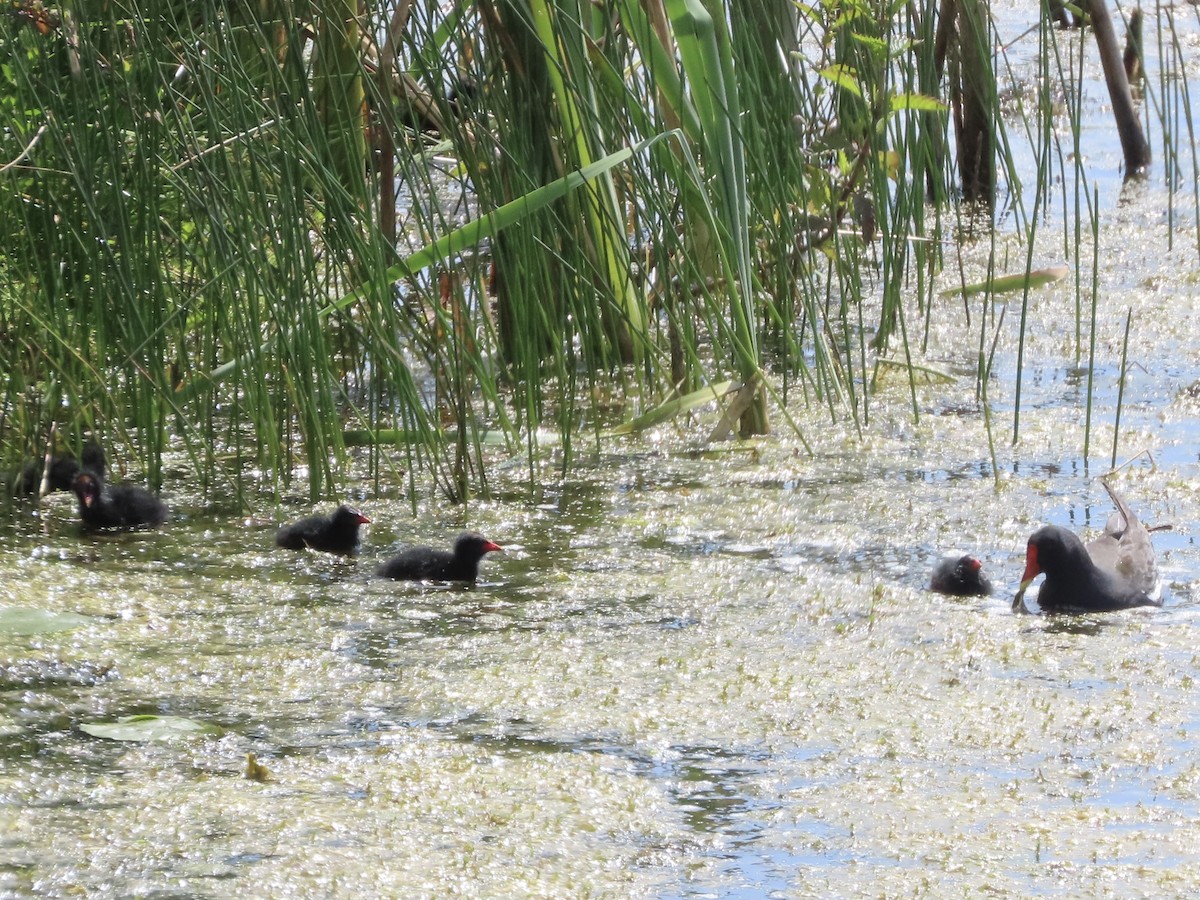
{"x":672,"y":408}
{"x":148,"y":728}
{"x":929,"y":372}
{"x":1006,"y":284}
{"x":24,"y":620}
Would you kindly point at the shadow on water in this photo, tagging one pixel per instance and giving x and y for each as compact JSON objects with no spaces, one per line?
{"x":711,"y":785}
{"x":47,"y":674}
{"x":714,"y":786}
{"x":392,"y":619}
{"x":1084,"y":625}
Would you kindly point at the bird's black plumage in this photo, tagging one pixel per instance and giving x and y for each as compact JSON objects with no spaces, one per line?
{"x":335,"y":533}
{"x":62,"y":471}
{"x":960,"y":577}
{"x":116,"y":506}
{"x":428,"y":564}
{"x":1074,"y":583}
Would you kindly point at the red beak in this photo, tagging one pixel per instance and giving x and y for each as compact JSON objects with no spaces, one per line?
{"x":363,"y":520}
{"x":1032,"y":569}
{"x":488,"y":547}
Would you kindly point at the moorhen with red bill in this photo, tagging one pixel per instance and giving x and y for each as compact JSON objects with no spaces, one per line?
{"x":960,"y":577}
{"x":428,"y":564}
{"x":118,"y":506}
{"x":336,"y":533}
{"x":1116,"y":571}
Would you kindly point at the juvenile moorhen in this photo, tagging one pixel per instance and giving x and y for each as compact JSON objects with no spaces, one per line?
{"x":1115,"y":571}
{"x":118,"y":506}
{"x":428,"y":564}
{"x":63,"y":470}
{"x":961,"y":577}
{"x":336,"y":533}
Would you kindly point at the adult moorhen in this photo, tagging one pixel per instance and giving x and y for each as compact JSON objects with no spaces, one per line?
{"x":336,"y":533}
{"x":1115,"y":571}
{"x":428,"y":564}
{"x":961,"y":577}
{"x":118,"y":506}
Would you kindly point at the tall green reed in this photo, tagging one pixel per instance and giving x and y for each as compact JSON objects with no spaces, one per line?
{"x":597,"y":211}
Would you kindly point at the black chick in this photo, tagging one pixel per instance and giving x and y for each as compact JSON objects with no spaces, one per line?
{"x":119,"y":506}
{"x":336,"y":533}
{"x":961,"y":577}
{"x":428,"y":564}
{"x":63,"y":470}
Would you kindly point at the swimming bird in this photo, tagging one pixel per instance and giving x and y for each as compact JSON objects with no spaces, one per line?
{"x":336,"y":533}
{"x":1115,"y":571}
{"x":428,"y":564}
{"x":960,"y":577}
{"x":116,"y":506}
{"x":62,"y":471}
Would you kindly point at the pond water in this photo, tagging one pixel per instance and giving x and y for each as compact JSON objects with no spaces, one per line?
{"x":695,"y":672}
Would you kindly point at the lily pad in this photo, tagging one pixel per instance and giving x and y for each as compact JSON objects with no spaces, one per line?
{"x":148,"y":728}
{"x":24,"y":620}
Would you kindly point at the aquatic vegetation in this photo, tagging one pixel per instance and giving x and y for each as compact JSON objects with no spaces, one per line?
{"x":248,"y":238}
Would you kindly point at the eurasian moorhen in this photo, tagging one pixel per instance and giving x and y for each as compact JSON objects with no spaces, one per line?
{"x":336,"y":533}
{"x":961,"y":577}
{"x":119,"y":506}
{"x":63,"y":470}
{"x":1115,"y":571}
{"x":428,"y":564}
